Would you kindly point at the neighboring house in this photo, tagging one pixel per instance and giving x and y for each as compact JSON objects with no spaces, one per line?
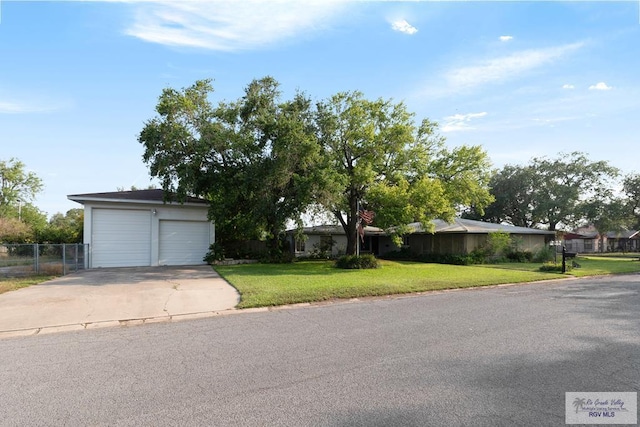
{"x":585,"y":242}
{"x":137,"y":228}
{"x":623,"y":241}
{"x":588,"y":240}
{"x":461,"y":236}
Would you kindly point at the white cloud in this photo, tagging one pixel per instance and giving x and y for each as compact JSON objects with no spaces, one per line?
{"x":600,"y":86}
{"x":460,"y":122}
{"x":404,"y":27}
{"x":11,"y":107}
{"x":568,"y":86}
{"x":506,"y":38}
{"x":228,"y":25}
{"x":503,"y":68}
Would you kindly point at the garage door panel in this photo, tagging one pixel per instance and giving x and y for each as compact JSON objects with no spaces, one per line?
{"x":183,"y":242}
{"x":121,"y":238}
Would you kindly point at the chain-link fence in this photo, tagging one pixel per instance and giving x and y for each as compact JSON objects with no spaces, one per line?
{"x":45,"y":259}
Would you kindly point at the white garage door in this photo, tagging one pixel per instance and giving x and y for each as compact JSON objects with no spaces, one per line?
{"x":120,"y":238}
{"x":183,"y":242}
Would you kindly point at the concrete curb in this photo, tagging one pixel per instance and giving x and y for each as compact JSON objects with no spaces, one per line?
{"x":233,"y":311}
{"x":115,"y":323}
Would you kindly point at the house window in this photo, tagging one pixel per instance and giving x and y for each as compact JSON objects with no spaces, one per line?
{"x":300,"y":245}
{"x":588,"y":245}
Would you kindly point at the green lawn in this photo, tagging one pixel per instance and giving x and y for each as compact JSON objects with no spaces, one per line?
{"x":591,"y":265}
{"x":598,"y":265}
{"x":12,"y":283}
{"x":307,"y":281}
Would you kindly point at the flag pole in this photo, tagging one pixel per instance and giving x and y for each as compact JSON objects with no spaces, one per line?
{"x":357,"y":230}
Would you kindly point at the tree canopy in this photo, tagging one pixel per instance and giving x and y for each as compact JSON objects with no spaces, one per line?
{"x":262,"y":161}
{"x":631,"y":190}
{"x":380,"y":159}
{"x":549,"y":191}
{"x":21,"y":219}
{"x":17,"y":186}
{"x":254,"y":159}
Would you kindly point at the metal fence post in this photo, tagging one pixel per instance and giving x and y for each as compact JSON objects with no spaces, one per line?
{"x":76,"y":257}
{"x":64,"y":259}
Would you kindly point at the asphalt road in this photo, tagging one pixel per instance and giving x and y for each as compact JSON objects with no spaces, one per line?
{"x":485,"y":357}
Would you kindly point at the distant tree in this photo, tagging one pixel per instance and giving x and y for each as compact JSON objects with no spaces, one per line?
{"x":376,"y":157}
{"x":134,"y":188}
{"x":548,"y":192}
{"x":14,"y":231}
{"x":606,"y":215}
{"x":631,"y":190}
{"x":562,"y":184}
{"x":17,"y":187}
{"x":512,"y":189}
{"x":31,"y":222}
{"x":67,"y":228}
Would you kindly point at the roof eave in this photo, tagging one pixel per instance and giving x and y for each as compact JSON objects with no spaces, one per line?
{"x":83,"y":200}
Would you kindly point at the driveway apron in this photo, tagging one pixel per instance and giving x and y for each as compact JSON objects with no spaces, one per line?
{"x":119,"y":295}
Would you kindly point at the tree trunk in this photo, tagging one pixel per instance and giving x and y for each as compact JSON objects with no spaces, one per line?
{"x":350,"y":226}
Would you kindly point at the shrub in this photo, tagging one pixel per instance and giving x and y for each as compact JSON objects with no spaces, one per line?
{"x":277,"y":257}
{"x":544,"y":254}
{"x":498,"y":243}
{"x":454,"y":259}
{"x":357,"y":262}
{"x":553,"y":267}
{"x":401,"y":254}
{"x":519,"y":256}
{"x":216,"y":253}
{"x":479,"y":255}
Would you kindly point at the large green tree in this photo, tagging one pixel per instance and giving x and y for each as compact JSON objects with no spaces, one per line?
{"x":512,"y":189}
{"x":631,"y":190}
{"x":18,"y":187}
{"x":381,"y":160}
{"x":606,"y":213}
{"x":64,"y":228}
{"x":254,"y":159}
{"x":562,"y":184}
{"x":548,"y":192}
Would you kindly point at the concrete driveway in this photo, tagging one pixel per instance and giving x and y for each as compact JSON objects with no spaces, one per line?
{"x":115,"y":296}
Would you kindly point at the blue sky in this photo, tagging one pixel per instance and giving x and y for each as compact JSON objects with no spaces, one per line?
{"x":78,"y":79}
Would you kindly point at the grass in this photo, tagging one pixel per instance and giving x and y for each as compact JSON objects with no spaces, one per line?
{"x":599,"y":265}
{"x":263,"y":285}
{"x":14,"y":283}
{"x":308,"y":281}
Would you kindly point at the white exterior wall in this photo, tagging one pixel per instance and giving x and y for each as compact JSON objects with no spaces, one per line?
{"x":312,"y":244}
{"x":579,"y":246}
{"x":157,"y":212}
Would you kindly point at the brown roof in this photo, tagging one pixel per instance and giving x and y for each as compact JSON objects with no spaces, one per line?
{"x":156,"y":195}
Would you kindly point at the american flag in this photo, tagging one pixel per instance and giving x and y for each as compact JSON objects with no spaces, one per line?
{"x":367,"y":216}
